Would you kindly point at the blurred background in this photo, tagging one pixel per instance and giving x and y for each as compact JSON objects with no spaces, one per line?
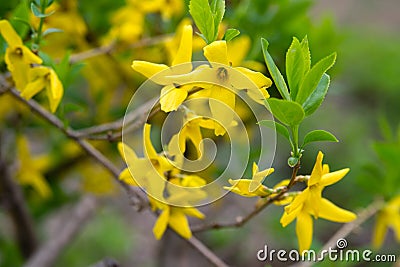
{"x":361,"y":109}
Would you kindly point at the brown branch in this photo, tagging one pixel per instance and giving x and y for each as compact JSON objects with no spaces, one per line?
{"x":348,"y":228}
{"x":133,"y":194}
{"x":240,"y":221}
{"x":15,"y":204}
{"x":48,"y":253}
{"x":206,"y":252}
{"x":109,"y":48}
{"x":55,"y":246}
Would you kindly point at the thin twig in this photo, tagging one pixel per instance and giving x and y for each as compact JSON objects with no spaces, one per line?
{"x":131,"y":121}
{"x":48,"y":253}
{"x":240,"y":221}
{"x":206,"y":252}
{"x":109,"y":48}
{"x":346,"y":229}
{"x":135,"y":197}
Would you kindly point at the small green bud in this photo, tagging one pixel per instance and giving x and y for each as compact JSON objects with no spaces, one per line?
{"x":292,"y":161}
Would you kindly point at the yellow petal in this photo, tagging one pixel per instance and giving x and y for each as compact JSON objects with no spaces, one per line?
{"x":171,"y":97}
{"x":149,"y":150}
{"x":9,"y":34}
{"x":33,"y":88}
{"x":259,"y":79}
{"x":287,"y":218}
{"x":179,"y":223}
{"x":217,"y":52}
{"x":237,"y":49}
{"x":317,"y":170}
{"x":30,"y":57}
{"x":148,"y":69}
{"x":315,"y":199}
{"x":333,"y":177}
{"x":379,"y":231}
{"x":54,"y":91}
{"x":161,"y":224}
{"x":298,"y":200}
{"x":126,"y":177}
{"x":304,"y":231}
{"x":331,"y":212}
{"x":194,"y":213}
{"x":184,"y":53}
{"x":193,"y":133}
{"x":222,"y":105}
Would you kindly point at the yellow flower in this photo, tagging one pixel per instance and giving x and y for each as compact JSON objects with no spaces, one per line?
{"x":18,"y":57}
{"x":163,"y":196}
{"x":44,"y":78}
{"x":221,"y":81}
{"x":190,"y":131}
{"x":172,"y":95}
{"x":388,"y":217}
{"x":172,"y":44}
{"x":251,"y":187}
{"x":310,"y":202}
{"x":31,"y":169}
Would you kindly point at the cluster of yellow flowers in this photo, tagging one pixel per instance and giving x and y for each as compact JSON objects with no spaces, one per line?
{"x":303,"y":205}
{"x":29,"y":76}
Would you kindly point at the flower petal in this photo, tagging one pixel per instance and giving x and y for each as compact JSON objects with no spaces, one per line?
{"x":379,"y":231}
{"x":333,"y":177}
{"x":304,"y":231}
{"x":172,"y":97}
{"x":217,"y":52}
{"x":161,"y":224}
{"x":184,"y":53}
{"x":179,"y":223}
{"x":9,"y":34}
{"x":317,"y":170}
{"x":149,"y":69}
{"x":331,"y":212}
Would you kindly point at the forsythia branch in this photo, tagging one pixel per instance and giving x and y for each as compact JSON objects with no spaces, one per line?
{"x":240,"y":221}
{"x":135,"y":197}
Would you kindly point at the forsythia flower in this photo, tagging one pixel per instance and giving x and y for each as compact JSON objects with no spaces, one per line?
{"x":172,"y":95}
{"x":251,"y":187}
{"x":18,"y":57}
{"x":388,"y":217}
{"x":217,"y":78}
{"x":44,"y":78}
{"x":163,"y":184}
{"x":30,"y":169}
{"x":190,"y":131}
{"x":310,"y":202}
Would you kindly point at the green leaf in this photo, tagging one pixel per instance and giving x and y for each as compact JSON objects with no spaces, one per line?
{"x":306,"y":54}
{"x":316,"y":98}
{"x":313,"y":77}
{"x":51,"y":30}
{"x":288,"y":112}
{"x":294,"y":67}
{"x":274,"y":71}
{"x":35,"y":10}
{"x":207,"y":18}
{"x":218,"y":11}
{"x":278,"y":128}
{"x":319,"y":136}
{"x":230,"y":34}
